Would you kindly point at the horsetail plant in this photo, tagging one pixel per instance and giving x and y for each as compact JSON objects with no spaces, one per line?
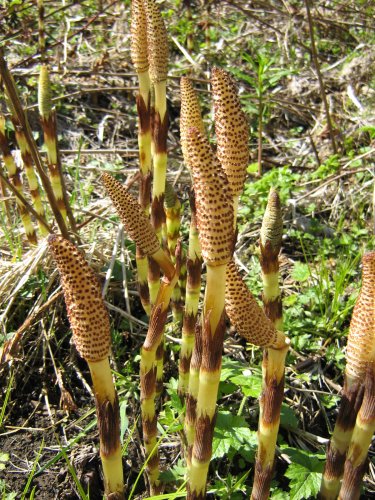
{"x":48,"y":120}
{"x":273,"y":366}
{"x":193,"y":288}
{"x":139,"y":57}
{"x":89,"y":321}
{"x":157,"y":47}
{"x":172,"y":208}
{"x":31,"y":151}
{"x":246,"y":315}
{"x":215,"y":224}
{"x":140,"y":230}
{"x":28,"y":166}
{"x":356,"y":459}
{"x":158,"y":51}
{"x":232,"y":132}
{"x":364,"y":428}
{"x":14,"y":175}
{"x":190,"y":117}
{"x":137,"y":224}
{"x":359,"y":359}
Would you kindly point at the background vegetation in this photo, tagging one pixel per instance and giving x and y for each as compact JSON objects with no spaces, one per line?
{"x":325,"y":176}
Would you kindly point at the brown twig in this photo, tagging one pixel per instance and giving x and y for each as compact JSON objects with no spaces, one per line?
{"x":314,"y":56}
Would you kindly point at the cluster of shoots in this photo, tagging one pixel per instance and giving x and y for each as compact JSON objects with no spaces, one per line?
{"x":153,"y":222}
{"x":36,"y":182}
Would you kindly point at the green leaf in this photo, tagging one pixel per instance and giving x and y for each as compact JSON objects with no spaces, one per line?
{"x":305,"y":473}
{"x":252,"y":168}
{"x":231,"y":368}
{"x":249,"y":383}
{"x":288,"y":417}
{"x":232,"y":435}
{"x":176,"y":474}
{"x":280,"y":495}
{"x":300,"y":272}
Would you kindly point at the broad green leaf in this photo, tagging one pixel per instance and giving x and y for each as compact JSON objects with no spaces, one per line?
{"x":300,"y":271}
{"x":249,"y":383}
{"x":288,"y":417}
{"x":304,"y":483}
{"x":232,"y":435}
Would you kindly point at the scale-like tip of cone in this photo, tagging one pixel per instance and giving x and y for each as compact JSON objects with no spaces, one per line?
{"x":361,"y":344}
{"x":132,"y":216}
{"x":138,"y":29}
{"x":246,"y":315}
{"x":44,"y":93}
{"x":272,"y":226}
{"x":87,"y":313}
{"x":190,"y":116}
{"x":232,"y":129}
{"x":214,"y":201}
{"x":157,"y":41}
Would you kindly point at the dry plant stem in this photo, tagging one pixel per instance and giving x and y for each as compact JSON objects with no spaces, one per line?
{"x":148,"y":374}
{"x":48,"y":121}
{"x":189,"y":20}
{"x":25,"y":127}
{"x":359,"y":353}
{"x":14,"y":176}
{"x":41,"y":30}
{"x":320,"y":78}
{"x":193,"y":288}
{"x":273,"y":365}
{"x":89,"y":321}
{"x":356,"y":459}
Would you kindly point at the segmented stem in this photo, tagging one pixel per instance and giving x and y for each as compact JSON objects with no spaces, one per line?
{"x":193,"y":288}
{"x":140,"y":61}
{"x":148,"y":374}
{"x":215,"y":224}
{"x":273,"y":365}
{"x":14,"y":175}
{"x":172,"y":207}
{"x":356,"y":459}
{"x":48,"y":121}
{"x":360,"y":351}
{"x":89,"y":321}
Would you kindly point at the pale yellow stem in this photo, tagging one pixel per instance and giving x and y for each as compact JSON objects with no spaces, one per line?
{"x":215,"y":294}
